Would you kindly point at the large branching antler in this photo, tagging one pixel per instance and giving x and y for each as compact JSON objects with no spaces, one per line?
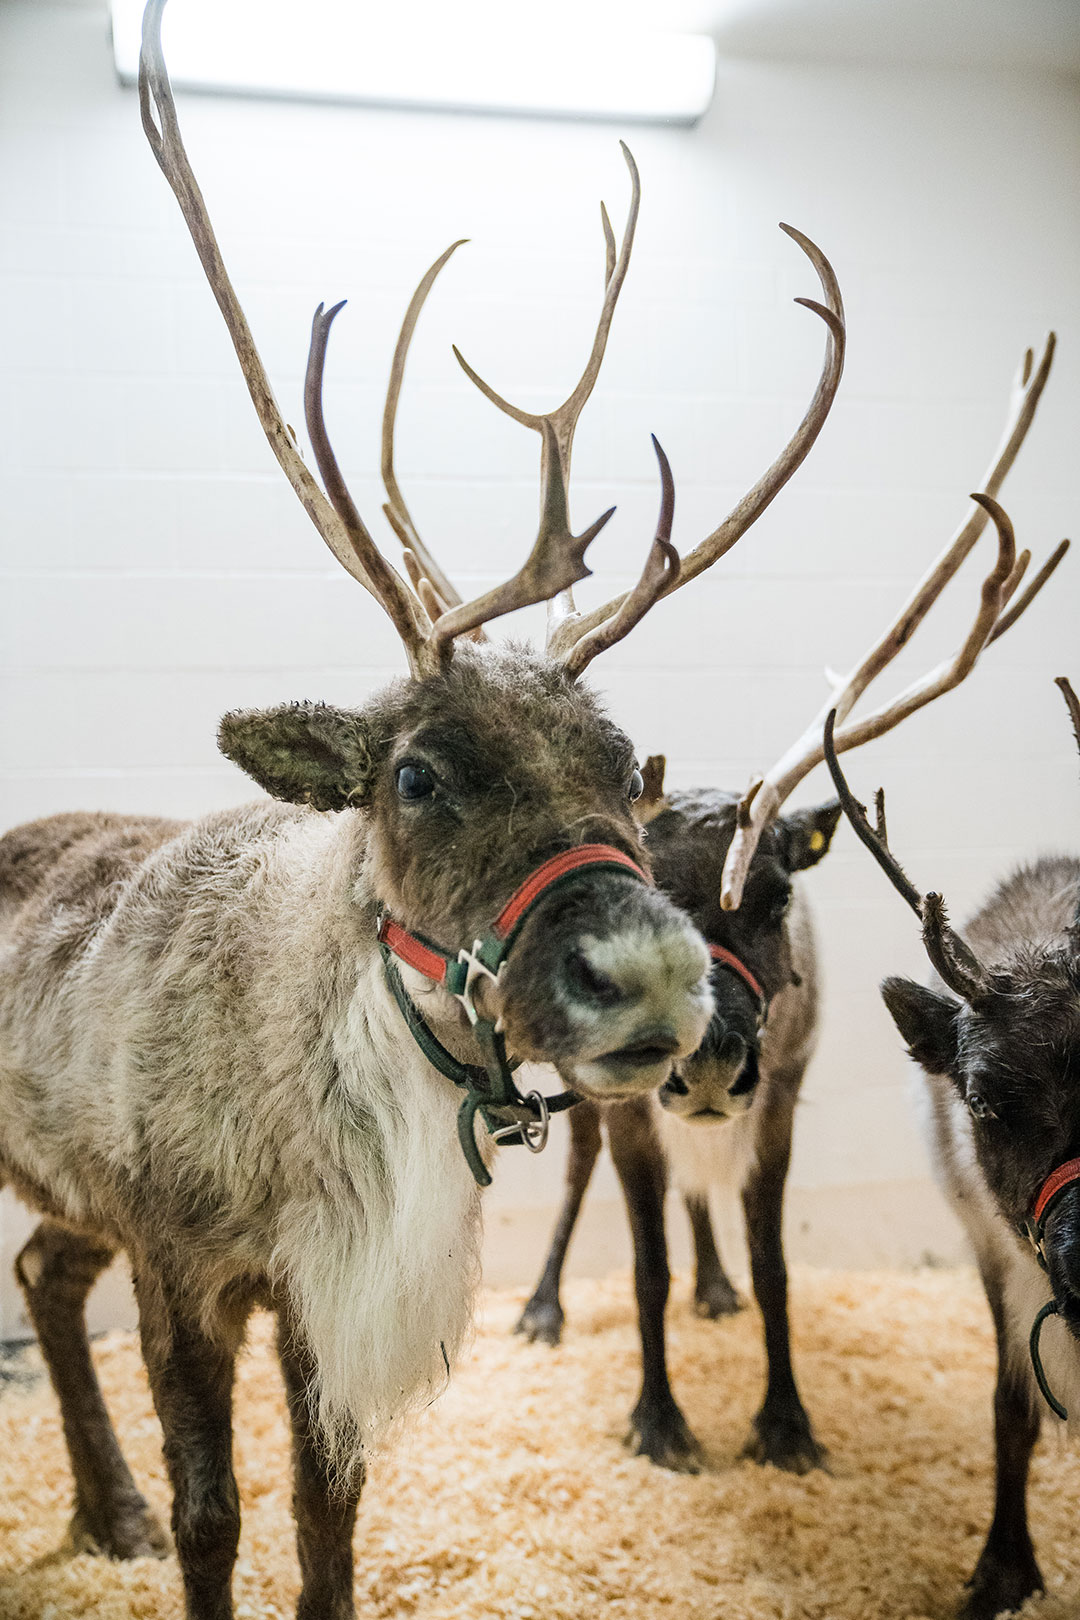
{"x":557,"y":558}
{"x":996,"y":612}
{"x":336,"y":519}
{"x":949,"y":952}
{"x":578,"y":637}
{"x":556,"y":428}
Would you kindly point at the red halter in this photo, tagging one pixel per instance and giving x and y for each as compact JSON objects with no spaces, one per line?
{"x":730,"y":960}
{"x":1055,"y":1183}
{"x":489,"y":952}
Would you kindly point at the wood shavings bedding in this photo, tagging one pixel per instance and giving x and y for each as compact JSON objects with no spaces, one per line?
{"x":513,"y":1497}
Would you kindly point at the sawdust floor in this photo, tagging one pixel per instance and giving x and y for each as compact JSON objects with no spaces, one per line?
{"x":513,"y":1497}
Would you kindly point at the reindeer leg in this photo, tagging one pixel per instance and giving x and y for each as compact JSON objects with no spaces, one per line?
{"x":57,"y":1269}
{"x":325,"y":1514}
{"x":658,"y":1429}
{"x":714,"y":1294}
{"x":1007,"y":1571}
{"x":542,"y":1317}
{"x":781,"y":1434}
{"x":191,"y":1379}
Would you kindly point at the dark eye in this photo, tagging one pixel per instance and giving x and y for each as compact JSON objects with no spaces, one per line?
{"x":414,"y":782}
{"x":637,"y":786}
{"x":978,"y":1107}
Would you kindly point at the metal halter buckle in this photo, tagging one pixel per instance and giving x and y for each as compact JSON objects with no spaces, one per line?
{"x":475,"y":969}
{"x":534,"y":1132}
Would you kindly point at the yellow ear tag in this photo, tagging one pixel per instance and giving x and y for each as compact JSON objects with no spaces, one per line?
{"x":817,"y":841}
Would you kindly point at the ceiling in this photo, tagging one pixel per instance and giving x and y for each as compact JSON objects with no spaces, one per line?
{"x":1038,"y":34}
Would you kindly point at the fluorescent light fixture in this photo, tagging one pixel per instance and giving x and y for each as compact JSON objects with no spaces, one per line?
{"x":510,"y":58}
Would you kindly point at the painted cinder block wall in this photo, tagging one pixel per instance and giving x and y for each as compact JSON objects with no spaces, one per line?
{"x":158,"y":571}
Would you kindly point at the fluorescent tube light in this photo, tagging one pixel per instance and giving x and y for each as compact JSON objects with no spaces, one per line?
{"x":515,"y":59}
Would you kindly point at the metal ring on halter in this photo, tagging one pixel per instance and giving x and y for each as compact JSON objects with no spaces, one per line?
{"x":535,"y":1133}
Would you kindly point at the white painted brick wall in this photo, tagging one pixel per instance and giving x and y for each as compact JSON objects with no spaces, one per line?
{"x":157,"y":570}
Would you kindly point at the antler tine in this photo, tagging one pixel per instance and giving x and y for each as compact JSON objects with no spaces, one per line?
{"x":1024,"y":601}
{"x":798,"y":760}
{"x":556,"y":561}
{"x":557,"y":556}
{"x":948,"y":951}
{"x":876,"y":842}
{"x":660,"y":570}
{"x":348,"y":540}
{"x":409,"y":618}
{"x":397,"y":513}
{"x":1072,"y":703}
{"x":769,"y":485}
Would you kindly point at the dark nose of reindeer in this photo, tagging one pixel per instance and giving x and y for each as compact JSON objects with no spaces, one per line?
{"x":609,"y":980}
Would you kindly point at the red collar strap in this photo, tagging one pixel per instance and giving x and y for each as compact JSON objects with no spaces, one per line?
{"x":730,"y":960}
{"x":1055,"y":1183}
{"x":489,"y":952}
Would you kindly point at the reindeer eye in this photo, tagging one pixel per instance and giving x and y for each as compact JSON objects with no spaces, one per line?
{"x":637,"y":786}
{"x":414,"y":782}
{"x":979,"y":1107}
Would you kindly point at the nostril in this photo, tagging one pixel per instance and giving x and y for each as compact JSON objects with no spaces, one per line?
{"x":587,"y":982}
{"x":748,"y":1076}
{"x":675,"y":1086}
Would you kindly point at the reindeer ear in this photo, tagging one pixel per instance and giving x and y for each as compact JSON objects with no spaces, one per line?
{"x":305,"y":753}
{"x":927,"y":1021}
{"x":805,"y":835}
{"x":652,"y":799}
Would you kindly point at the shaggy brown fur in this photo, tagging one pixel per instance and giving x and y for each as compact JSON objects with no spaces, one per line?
{"x":201,"y":1063}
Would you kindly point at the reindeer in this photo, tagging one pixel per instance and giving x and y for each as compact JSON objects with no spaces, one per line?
{"x":249,"y":1051}
{"x":997,"y":1035}
{"x":726,"y":1114}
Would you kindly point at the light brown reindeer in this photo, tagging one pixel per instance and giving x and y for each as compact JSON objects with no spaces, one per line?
{"x":232,"y":1047}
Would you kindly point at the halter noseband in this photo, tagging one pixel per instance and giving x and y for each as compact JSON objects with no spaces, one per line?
{"x":510,"y":1117}
{"x":728,"y":959}
{"x":1033,"y":1227}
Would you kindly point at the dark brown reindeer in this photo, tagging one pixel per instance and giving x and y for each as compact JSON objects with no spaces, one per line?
{"x":232,"y":1047}
{"x":727,"y":1113}
{"x":997,"y":1034}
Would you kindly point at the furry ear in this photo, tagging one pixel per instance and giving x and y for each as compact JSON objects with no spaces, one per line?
{"x":927,"y":1021}
{"x":805,"y":835}
{"x":306,"y":753}
{"x":652,"y":799}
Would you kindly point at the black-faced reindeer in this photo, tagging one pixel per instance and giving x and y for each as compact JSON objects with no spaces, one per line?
{"x":727,"y":1113}
{"x":997,"y":1034}
{"x":233,"y":1048}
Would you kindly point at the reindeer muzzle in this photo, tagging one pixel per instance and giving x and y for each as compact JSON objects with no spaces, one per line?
{"x":510,"y":1117}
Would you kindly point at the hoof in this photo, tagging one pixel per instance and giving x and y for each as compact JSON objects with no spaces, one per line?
{"x":999,"y":1586}
{"x":786,"y":1442}
{"x":716,"y":1298}
{"x":662,"y":1434}
{"x":133,"y":1531}
{"x":541,"y":1319}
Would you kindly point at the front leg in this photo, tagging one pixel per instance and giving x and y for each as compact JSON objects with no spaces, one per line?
{"x":1007,"y":1571}
{"x":191,"y":1380}
{"x":714,"y":1294}
{"x":658,"y":1429}
{"x":325,"y":1513}
{"x":782,"y":1434}
{"x":542,"y":1317}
